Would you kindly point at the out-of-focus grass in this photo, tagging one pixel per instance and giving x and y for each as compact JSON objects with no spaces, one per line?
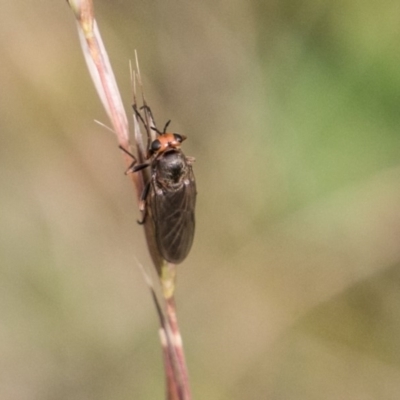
{"x":290,"y":292}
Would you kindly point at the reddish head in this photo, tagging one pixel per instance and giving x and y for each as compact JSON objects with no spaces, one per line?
{"x":166,"y":141}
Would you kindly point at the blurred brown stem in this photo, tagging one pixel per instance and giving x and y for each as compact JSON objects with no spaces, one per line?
{"x":178,"y":348}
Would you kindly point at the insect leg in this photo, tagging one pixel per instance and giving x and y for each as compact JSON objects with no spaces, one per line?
{"x":134,"y":106}
{"x":190,"y":160}
{"x":149,"y":123}
{"x":133,"y":167}
{"x":133,"y":157}
{"x":142,"y":203}
{"x":147,"y":109}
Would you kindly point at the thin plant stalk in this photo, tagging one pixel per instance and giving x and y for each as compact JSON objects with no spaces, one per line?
{"x":103,"y":77}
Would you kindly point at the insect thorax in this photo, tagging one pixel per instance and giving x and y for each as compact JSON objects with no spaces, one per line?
{"x":171,"y":168}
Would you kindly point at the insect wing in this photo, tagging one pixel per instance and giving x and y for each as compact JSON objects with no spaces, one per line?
{"x":173,"y":214}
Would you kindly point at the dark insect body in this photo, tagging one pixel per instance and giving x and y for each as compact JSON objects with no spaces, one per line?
{"x":169,"y":197}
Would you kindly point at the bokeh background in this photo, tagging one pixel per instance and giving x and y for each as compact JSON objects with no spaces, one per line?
{"x":292,"y":288}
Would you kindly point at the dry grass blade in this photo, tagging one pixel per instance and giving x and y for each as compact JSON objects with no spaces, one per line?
{"x":104,"y":80}
{"x":103,"y":77}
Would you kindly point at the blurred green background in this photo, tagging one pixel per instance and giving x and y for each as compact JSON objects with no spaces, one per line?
{"x":292,"y":288}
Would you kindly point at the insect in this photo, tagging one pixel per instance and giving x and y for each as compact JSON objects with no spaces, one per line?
{"x":169,"y":197}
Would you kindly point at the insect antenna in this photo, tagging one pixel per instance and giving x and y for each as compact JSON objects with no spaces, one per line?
{"x":166,"y":126}
{"x":164,"y":130}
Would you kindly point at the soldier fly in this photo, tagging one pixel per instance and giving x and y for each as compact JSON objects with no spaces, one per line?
{"x":169,"y":197}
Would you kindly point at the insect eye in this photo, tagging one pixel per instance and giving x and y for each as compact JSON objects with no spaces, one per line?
{"x":155,"y":146}
{"x":179,"y":138}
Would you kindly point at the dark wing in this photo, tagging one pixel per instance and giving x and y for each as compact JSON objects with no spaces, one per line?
{"x":173,"y":214}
